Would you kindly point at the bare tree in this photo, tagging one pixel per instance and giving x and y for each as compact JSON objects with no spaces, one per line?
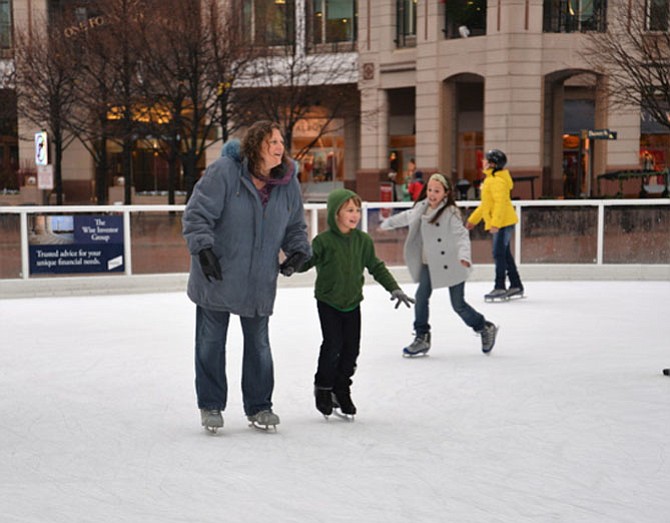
{"x":287,"y":85}
{"x":188,"y":58}
{"x":120,"y":43}
{"x":44,"y":79}
{"x":634,"y":54}
{"x":191,"y":55}
{"x":231,"y":55}
{"x":90,"y":121}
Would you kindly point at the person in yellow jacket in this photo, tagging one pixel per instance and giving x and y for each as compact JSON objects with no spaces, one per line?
{"x":499,"y":217}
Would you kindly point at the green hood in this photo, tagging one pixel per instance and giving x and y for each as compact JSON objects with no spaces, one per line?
{"x":335,"y":200}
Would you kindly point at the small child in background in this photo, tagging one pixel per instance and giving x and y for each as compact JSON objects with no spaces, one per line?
{"x":340,"y":255}
{"x":415,"y":186}
{"x":437,"y":253}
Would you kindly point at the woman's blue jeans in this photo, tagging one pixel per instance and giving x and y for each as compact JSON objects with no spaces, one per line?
{"x":211,"y":330}
{"x":502,"y":256}
{"x":470,"y":316}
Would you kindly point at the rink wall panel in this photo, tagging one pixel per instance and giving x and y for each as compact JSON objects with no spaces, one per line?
{"x":554,"y":240}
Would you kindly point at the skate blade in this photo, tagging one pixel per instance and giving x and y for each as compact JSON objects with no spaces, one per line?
{"x":505,"y":299}
{"x":211,"y":430}
{"x":342,"y":415}
{"x":407,"y":354}
{"x":263,"y":428}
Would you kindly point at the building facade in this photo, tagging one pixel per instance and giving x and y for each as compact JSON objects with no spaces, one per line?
{"x":440,"y":82}
{"x":456,"y":78}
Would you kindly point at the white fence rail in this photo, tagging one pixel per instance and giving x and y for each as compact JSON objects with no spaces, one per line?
{"x":312,"y":210}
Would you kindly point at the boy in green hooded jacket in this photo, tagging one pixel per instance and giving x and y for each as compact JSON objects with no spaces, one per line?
{"x":340,"y":255}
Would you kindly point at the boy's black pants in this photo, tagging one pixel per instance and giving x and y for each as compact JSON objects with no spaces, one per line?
{"x":341,"y":333}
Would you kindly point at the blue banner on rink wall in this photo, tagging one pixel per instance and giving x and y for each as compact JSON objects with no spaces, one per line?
{"x":60,"y":244}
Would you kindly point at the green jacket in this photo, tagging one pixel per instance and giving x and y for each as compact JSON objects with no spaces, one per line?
{"x":340,"y":259}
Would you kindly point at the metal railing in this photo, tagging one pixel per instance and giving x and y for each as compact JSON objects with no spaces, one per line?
{"x":632,"y":231}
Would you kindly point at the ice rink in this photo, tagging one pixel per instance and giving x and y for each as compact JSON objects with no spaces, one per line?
{"x":568,"y":420}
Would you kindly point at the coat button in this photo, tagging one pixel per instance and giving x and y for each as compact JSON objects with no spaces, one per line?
{"x":446,"y":266}
{"x":442,"y":253}
{"x":439,"y":239}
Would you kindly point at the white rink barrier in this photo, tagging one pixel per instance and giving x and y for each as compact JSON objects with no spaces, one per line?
{"x":128,"y":282}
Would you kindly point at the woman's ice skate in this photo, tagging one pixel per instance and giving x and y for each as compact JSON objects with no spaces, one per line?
{"x":211,"y":419}
{"x":263,"y":420}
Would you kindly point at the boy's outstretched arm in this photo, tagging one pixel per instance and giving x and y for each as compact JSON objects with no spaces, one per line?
{"x":401,"y":297}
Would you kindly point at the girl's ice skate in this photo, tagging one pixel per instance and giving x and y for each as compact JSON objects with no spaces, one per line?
{"x":514,"y":293}
{"x":496,"y":295}
{"x":419,"y":347}
{"x":488,"y":334}
{"x":263,"y":420}
{"x":211,"y":419}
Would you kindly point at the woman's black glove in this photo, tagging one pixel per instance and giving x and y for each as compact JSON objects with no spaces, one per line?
{"x":210,"y":264}
{"x":292,"y":263}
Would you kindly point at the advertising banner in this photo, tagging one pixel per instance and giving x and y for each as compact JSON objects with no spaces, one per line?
{"x":66,"y":244}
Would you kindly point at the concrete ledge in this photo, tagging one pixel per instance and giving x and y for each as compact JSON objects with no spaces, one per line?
{"x":153,"y":283}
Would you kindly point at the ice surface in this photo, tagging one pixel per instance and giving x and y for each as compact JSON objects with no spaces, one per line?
{"x":568,"y":420}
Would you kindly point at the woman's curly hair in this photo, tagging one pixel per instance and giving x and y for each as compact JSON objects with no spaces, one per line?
{"x":252,"y":144}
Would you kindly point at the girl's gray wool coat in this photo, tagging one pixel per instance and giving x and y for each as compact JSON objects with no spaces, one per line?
{"x":444,"y":244}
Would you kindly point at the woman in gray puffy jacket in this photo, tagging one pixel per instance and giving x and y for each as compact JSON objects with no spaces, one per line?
{"x":245,"y":209}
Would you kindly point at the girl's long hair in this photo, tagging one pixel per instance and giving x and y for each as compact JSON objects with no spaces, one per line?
{"x":450,"y":200}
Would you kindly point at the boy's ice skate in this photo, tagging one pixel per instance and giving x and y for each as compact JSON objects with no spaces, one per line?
{"x":263,"y":420}
{"x":419,"y":347}
{"x":343,"y":407}
{"x":211,"y":419}
{"x":324,"y":401}
{"x":488,"y":334}
{"x":496,"y":295}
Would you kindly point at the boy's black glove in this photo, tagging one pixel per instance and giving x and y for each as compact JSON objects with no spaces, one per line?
{"x":292,"y":263}
{"x":210,"y":264}
{"x":401,"y":297}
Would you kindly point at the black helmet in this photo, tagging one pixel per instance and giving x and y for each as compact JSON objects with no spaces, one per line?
{"x":497,"y":158}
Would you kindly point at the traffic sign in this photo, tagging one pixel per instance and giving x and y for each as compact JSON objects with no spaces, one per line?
{"x":41,"y":148}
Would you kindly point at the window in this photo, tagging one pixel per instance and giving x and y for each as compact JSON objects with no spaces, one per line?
{"x":331,"y":22}
{"x":269,"y":22}
{"x":405,"y":23}
{"x":657,"y":12}
{"x":5,"y":24}
{"x":464,"y":18}
{"x":571,"y":16}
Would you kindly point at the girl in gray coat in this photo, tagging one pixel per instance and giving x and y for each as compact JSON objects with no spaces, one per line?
{"x":243,"y":211}
{"x":437,"y":254}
